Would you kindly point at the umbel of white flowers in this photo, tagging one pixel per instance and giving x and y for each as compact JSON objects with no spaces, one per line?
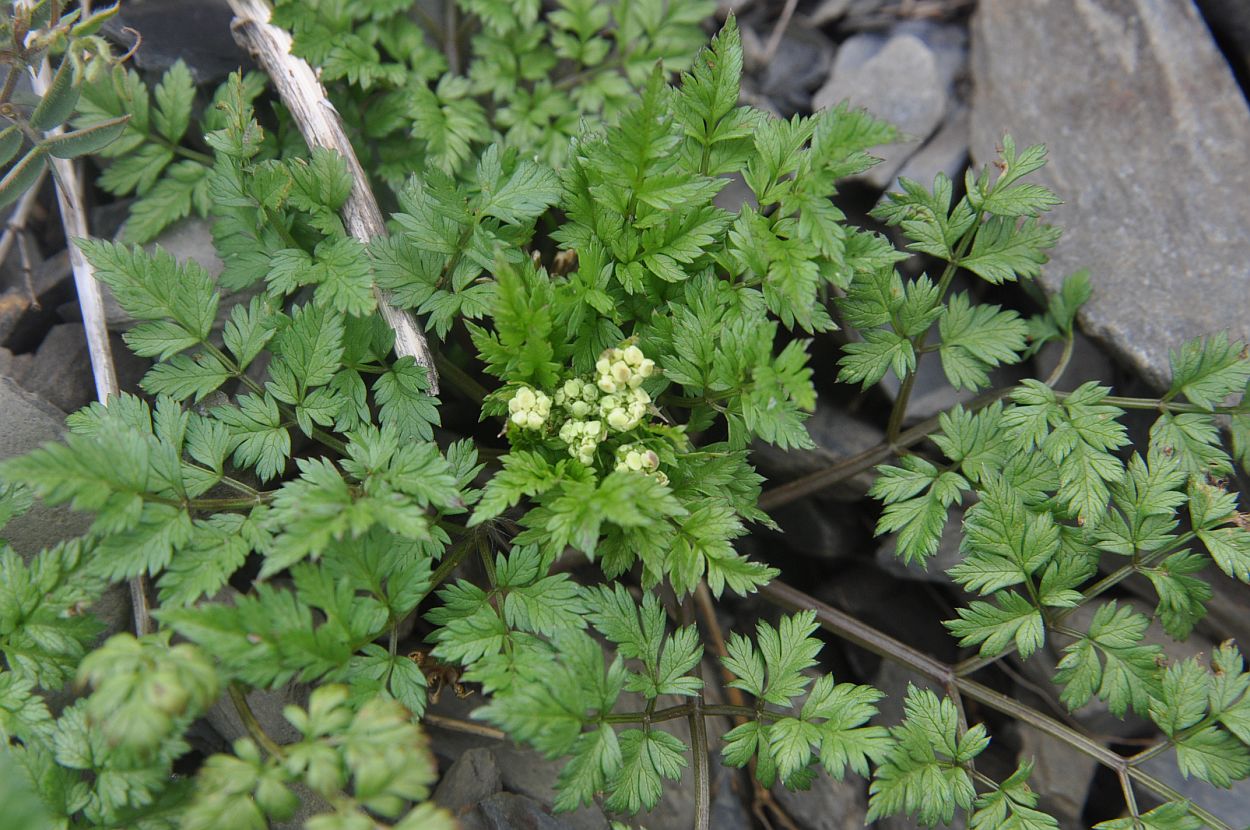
{"x":611,"y":400}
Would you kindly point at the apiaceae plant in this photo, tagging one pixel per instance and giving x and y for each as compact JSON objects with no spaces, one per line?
{"x":295,"y":500}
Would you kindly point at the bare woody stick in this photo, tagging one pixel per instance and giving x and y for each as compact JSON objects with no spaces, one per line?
{"x":321,"y":126}
{"x":91,"y":302}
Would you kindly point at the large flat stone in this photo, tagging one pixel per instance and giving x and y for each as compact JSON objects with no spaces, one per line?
{"x":29,"y":422}
{"x":1149,"y":142}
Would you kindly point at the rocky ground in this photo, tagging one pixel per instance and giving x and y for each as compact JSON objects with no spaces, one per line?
{"x":1143,"y":105}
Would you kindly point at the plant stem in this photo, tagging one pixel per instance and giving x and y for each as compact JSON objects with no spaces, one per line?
{"x":1064,"y":359}
{"x":853,"y":630}
{"x":849,"y":467}
{"x":321,"y":126}
{"x":975,"y":664}
{"x":702,"y":780}
{"x":253,"y":727}
{"x":944,"y":283}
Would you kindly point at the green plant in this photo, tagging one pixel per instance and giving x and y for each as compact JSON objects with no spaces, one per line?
{"x":631,"y":374}
{"x":30,"y":33}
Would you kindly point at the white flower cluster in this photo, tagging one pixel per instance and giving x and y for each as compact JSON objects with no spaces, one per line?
{"x":578,"y":397}
{"x":638,"y":459}
{"x":529,"y":408}
{"x":619,"y":374}
{"x":612,"y":401}
{"x":620,"y":369}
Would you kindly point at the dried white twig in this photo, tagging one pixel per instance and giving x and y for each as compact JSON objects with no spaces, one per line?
{"x":783,"y":22}
{"x":21,"y":212}
{"x":321,"y":126}
{"x":91,"y":301}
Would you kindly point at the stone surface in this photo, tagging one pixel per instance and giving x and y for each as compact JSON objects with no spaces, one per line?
{"x":828,"y":805}
{"x":827,"y":11}
{"x":1061,"y":775}
{"x":946,"y":152}
{"x":508,"y":811}
{"x":820,"y":531}
{"x":525,"y":772}
{"x":838,"y":435}
{"x":1232,"y":805}
{"x":266,"y":705}
{"x":197,"y":31}
{"x":1149,"y":140}
{"x":800,"y":65}
{"x":23,"y":322}
{"x":30,"y":422}
{"x":1229,"y":21}
{"x":1088,"y":362}
{"x":473,"y":777}
{"x":900,"y":83}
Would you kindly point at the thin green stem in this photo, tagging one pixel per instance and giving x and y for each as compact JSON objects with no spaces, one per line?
{"x":193,"y":155}
{"x":1164,"y":405}
{"x":702,"y":780}
{"x":1064,"y":359}
{"x":899,"y":411}
{"x":451,"y":561}
{"x":855,"y":631}
{"x":849,"y":467}
{"x":974,"y":664}
{"x":253,"y":727}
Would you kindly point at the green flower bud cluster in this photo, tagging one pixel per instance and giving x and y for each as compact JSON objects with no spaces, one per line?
{"x":583,"y":439}
{"x":638,"y":459}
{"x":529,"y":408}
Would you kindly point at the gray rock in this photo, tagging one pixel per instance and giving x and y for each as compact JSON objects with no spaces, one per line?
{"x":948,"y":42}
{"x":799,"y":66}
{"x":934,"y":570}
{"x":1232,"y":805}
{"x":900,"y":83}
{"x":1061,"y":775}
{"x":838,"y":435}
{"x":23,"y":321}
{"x":266,"y":705}
{"x":525,"y":772}
{"x":1230,"y":23}
{"x":828,"y":805}
{"x":29,"y":422}
{"x":60,"y":371}
{"x":828,"y":11}
{"x":197,"y":31}
{"x":825,"y":532}
{"x":1147,"y":133}
{"x":508,"y":811}
{"x":14,"y":365}
{"x":473,"y":777}
{"x":856,"y":51}
{"x":946,"y":152}
{"x":1088,"y":362}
